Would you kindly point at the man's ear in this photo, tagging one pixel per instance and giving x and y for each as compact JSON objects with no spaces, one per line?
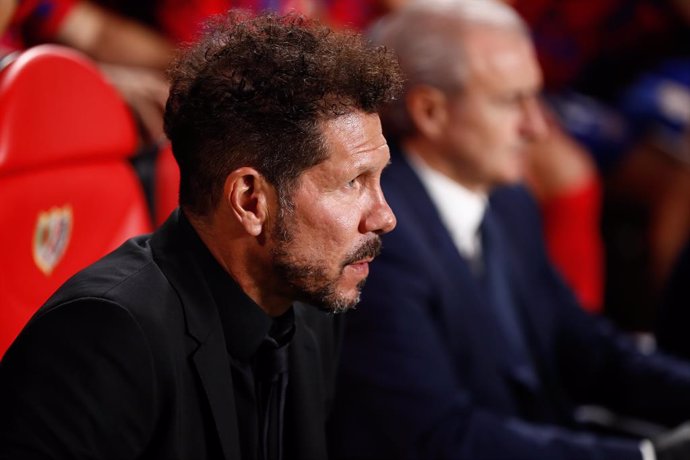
{"x":245,"y":194}
{"x":427,"y":107}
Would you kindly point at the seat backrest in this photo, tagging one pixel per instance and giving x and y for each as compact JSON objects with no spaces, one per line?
{"x":167,"y":184}
{"x":68,"y":194}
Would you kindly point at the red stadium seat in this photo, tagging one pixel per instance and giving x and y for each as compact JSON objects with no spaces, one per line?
{"x":167,"y":184}
{"x":68,"y":194}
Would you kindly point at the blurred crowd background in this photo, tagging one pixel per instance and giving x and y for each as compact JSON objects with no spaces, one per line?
{"x":612,"y":178}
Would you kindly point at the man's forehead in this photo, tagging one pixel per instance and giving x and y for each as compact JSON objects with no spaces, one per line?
{"x":494,"y":53}
{"x":353,"y":141}
{"x":355,"y":123}
{"x":353,"y":134}
{"x":492,"y":45}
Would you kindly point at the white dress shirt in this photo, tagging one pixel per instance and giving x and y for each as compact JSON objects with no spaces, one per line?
{"x":461,"y":210}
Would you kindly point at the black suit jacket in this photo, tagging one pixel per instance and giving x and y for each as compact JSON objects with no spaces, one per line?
{"x":128,"y":360}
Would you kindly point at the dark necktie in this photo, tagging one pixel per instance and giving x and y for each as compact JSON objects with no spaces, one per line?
{"x":271,"y":384}
{"x":495,"y":279}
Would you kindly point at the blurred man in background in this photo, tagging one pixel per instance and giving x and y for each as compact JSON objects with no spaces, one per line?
{"x":467,"y":344}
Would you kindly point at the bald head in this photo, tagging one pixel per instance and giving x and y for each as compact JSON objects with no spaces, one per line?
{"x":471,"y":108}
{"x":429,"y":38}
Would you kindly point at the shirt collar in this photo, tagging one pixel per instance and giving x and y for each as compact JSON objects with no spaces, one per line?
{"x":461,"y":210}
{"x":245,"y":324}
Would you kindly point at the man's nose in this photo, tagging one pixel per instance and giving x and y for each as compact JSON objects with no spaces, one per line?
{"x":380,"y":219}
{"x":534,"y":125}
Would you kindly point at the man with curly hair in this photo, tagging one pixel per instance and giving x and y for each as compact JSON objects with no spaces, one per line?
{"x":205,"y":340}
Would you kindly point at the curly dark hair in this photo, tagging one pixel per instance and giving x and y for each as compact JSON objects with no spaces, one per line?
{"x":253,"y":91}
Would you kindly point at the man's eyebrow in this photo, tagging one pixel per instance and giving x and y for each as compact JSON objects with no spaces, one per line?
{"x":373,"y":168}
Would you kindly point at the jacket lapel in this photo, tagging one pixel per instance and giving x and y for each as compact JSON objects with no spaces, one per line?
{"x":217,"y":382}
{"x":410,"y":200}
{"x":463,"y":306}
{"x":306,"y":393}
{"x":502,"y":296}
{"x":174,"y":255}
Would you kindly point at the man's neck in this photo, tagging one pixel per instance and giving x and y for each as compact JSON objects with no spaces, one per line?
{"x":242,"y":258}
{"x":436,"y":159}
{"x":461,"y":210}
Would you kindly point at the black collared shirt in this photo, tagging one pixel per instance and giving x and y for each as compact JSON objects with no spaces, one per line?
{"x":246,"y":326}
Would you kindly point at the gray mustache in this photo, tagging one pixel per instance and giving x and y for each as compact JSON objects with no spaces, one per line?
{"x":371,"y":248}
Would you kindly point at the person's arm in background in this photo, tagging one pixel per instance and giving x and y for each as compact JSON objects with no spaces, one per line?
{"x":145,"y":91}
{"x":6,"y":10}
{"x":130,"y":55}
{"x":110,"y":38}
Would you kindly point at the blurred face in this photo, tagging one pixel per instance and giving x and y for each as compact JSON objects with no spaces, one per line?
{"x":324,"y":244}
{"x":495,"y":116}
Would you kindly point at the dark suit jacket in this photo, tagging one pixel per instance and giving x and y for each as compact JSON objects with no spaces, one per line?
{"x":128,"y":361}
{"x":424,"y":373}
{"x":674,"y":312}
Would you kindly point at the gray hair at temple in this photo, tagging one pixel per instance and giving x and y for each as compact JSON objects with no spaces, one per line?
{"x":422,"y":34}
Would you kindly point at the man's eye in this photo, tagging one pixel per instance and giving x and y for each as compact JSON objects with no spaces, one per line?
{"x":352,"y":183}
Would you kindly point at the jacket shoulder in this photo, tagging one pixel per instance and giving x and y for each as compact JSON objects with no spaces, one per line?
{"x":129,"y":277}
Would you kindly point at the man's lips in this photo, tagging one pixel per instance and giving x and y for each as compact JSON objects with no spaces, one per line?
{"x":366,"y":260}
{"x":361,"y":266}
{"x":364,"y":255}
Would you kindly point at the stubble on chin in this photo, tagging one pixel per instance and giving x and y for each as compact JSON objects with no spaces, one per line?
{"x":312,"y":284}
